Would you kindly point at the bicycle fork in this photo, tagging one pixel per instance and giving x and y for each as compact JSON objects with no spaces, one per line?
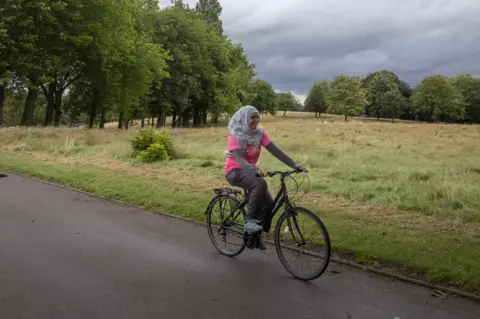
{"x":289,"y":228}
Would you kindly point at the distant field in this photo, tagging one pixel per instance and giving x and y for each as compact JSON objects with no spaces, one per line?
{"x":404,"y":194}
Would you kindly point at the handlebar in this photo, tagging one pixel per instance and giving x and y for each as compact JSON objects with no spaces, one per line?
{"x":284,"y":173}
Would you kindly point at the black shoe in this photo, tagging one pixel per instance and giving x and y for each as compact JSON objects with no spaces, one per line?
{"x":261,"y":244}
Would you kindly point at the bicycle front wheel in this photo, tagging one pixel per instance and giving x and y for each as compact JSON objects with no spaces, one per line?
{"x":294,"y":233}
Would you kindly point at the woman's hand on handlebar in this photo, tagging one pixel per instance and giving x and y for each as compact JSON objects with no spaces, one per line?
{"x":300,"y":168}
{"x":262,"y":172}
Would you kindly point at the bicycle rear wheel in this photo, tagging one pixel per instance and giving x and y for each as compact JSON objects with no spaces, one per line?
{"x":290,"y":239}
{"x":220,"y":210}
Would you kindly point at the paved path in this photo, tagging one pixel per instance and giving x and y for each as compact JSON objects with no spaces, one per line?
{"x":67,"y":255}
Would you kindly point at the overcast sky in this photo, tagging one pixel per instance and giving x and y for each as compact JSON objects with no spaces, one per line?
{"x":295,"y":42}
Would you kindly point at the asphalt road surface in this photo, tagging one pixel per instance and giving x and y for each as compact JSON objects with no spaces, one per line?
{"x":68,"y":255}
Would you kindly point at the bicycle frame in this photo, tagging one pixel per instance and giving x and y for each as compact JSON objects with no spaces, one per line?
{"x":280,"y":199}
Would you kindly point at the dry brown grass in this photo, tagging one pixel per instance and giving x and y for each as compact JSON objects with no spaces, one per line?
{"x":347,"y":161}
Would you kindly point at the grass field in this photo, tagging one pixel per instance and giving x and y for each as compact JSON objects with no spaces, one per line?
{"x":404,"y":195}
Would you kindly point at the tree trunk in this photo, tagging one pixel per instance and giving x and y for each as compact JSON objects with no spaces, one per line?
{"x":143,"y":122}
{"x":102,"y":116}
{"x":2,"y":102}
{"x":93,"y":110}
{"x":161,"y":118}
{"x":186,"y":118}
{"x":204,"y":117}
{"x":196,"y":117}
{"x":178,"y":122}
{"x":174,"y":117}
{"x":153,"y":119}
{"x":346,"y":118}
{"x":120,"y":120}
{"x":285,"y":112}
{"x":127,"y":122}
{"x":50,"y":95}
{"x":58,"y":107}
{"x":27,"y":118}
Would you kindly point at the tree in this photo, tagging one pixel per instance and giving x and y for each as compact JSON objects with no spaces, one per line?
{"x":211,"y":11}
{"x":407,"y":112}
{"x":316,"y":99}
{"x":22,"y":25}
{"x":378,"y":85}
{"x":209,"y":74}
{"x":263,"y":97}
{"x":366,"y":81}
{"x":61,"y":50}
{"x":392,"y":103}
{"x":122,"y":62}
{"x":346,"y":96}
{"x":286,"y":101}
{"x":435,"y":98}
{"x":469,"y":87}
{"x":183,"y":33}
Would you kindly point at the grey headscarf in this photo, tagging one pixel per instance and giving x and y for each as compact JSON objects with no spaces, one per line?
{"x":238,"y":127}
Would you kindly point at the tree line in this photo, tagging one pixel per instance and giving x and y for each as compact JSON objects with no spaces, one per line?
{"x":382,"y":94}
{"x":95,"y":61}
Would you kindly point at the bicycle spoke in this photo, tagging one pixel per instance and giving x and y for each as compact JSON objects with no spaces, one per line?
{"x":225,"y":227}
{"x":296,"y":232}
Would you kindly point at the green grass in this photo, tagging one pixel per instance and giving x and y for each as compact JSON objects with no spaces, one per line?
{"x":442,"y":258}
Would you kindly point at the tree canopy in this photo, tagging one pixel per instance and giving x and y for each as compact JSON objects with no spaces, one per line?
{"x":106,"y":60}
{"x":346,"y":96}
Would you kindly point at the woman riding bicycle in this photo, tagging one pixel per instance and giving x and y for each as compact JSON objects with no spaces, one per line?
{"x":244,"y":146}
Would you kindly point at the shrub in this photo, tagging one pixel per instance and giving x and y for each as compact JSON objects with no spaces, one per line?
{"x":151,"y":141}
{"x":144,"y":139}
{"x":155,"y":152}
{"x":165,"y":140}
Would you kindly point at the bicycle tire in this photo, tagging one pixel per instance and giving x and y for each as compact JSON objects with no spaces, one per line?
{"x":326,"y":239}
{"x":209,"y":222}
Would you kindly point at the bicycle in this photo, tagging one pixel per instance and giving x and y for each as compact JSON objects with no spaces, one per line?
{"x":251,"y":240}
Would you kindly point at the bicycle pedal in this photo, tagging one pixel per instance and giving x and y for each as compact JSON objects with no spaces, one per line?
{"x":250,"y":240}
{"x":249,"y":244}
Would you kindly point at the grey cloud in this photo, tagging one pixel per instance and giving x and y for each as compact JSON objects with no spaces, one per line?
{"x":294,"y":43}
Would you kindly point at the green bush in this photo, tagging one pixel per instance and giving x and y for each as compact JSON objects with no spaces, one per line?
{"x":150,"y":141}
{"x":165,"y":140}
{"x":144,"y":139}
{"x":155,"y":152}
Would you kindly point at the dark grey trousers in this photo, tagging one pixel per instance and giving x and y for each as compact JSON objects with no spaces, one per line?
{"x":260,"y":203}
